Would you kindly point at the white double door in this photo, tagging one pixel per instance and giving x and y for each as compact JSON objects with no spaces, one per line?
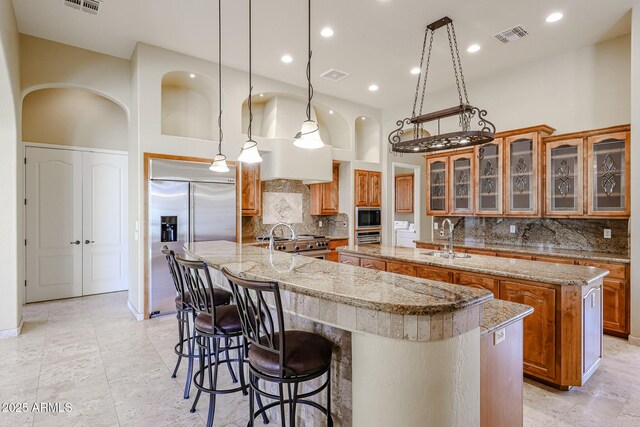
{"x":76,"y":223}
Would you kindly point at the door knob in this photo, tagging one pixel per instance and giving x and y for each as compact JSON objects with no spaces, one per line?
{"x":77,"y":242}
{"x":86,"y":242}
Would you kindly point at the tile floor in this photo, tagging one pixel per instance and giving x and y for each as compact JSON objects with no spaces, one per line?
{"x":115,"y":370}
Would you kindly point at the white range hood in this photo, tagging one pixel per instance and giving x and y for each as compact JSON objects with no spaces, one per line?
{"x":286,"y":161}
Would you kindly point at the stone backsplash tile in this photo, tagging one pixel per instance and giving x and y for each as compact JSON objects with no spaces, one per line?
{"x":557,"y":233}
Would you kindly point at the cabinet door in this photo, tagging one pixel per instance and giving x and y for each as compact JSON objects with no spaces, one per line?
{"x":488,"y":179}
{"x":614,"y":300}
{"x":437,"y":177}
{"x":251,"y":192}
{"x":324,"y":197}
{"x":522,"y":174}
{"x":434,"y":273}
{"x":373,"y":264}
{"x":347,"y":259}
{"x":400,"y":268}
{"x":608,"y":175}
{"x":478,"y":282}
{"x":565,"y":178}
{"x":361,"y":187}
{"x":461,"y":184}
{"x":404,"y":193}
{"x":375,"y":189}
{"x":539,"y":327}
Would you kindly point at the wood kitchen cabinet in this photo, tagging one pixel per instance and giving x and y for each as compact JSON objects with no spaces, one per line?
{"x":438,"y":186}
{"x":608,"y":175}
{"x":333,"y":244}
{"x":325,"y":197}
{"x":564,"y":187}
{"x":251,"y":190}
{"x":488,"y":178}
{"x":478,"y":281}
{"x":368,"y":188}
{"x":404,"y":193}
{"x":461,"y":185}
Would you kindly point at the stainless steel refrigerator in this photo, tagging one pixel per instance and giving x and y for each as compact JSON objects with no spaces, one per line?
{"x":187,"y":203}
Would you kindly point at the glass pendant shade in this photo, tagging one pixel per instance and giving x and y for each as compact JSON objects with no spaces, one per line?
{"x":309,"y":136}
{"x":250,"y":153}
{"x":219,"y":164}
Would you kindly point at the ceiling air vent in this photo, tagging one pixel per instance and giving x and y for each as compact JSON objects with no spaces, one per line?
{"x":334,"y":75}
{"x":511,"y":34}
{"x":88,"y":6}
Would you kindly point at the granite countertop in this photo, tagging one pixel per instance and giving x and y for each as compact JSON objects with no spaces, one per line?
{"x":536,"y":250}
{"x":498,"y":314}
{"x":537,"y":271}
{"x":341,"y":283}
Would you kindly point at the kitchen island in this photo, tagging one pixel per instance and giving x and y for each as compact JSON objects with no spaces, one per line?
{"x":408,"y":349}
{"x":562,"y":338}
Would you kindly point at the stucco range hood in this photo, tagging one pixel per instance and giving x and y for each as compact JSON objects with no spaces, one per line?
{"x":286,"y":161}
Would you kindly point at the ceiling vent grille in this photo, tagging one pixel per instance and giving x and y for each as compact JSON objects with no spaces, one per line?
{"x":334,"y":75}
{"x":88,"y":6}
{"x":511,"y":34}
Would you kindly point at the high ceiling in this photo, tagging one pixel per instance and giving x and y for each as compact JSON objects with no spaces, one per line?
{"x":375,"y":41}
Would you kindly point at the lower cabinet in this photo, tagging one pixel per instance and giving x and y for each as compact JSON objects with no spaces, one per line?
{"x":401,"y":268}
{"x":614,"y":301}
{"x":539,"y":327}
{"x":373,"y":264}
{"x":478,"y":281}
{"x":434,"y":273}
{"x":350,"y":260}
{"x":333,"y":244}
{"x":592,"y":322}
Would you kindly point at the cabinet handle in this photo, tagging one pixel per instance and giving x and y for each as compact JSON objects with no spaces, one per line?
{"x":86,"y":242}
{"x":77,"y":242}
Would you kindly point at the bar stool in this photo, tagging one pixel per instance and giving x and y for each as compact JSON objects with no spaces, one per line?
{"x":186,"y":315}
{"x":213,"y":323}
{"x":290,"y":358}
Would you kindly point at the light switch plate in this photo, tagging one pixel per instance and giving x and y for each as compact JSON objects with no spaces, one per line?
{"x":607,"y":233}
{"x":320,"y":223}
{"x":512,"y":229}
{"x":499,"y":336}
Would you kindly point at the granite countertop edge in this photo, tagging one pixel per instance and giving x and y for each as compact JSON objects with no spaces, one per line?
{"x":498,"y":314}
{"x":531,"y":250}
{"x":481,"y":270}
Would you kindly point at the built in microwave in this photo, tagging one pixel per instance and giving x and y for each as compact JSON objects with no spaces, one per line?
{"x":367,"y":218}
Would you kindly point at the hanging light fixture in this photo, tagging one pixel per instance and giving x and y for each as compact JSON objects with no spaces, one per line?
{"x":423,"y":142}
{"x":220,"y":160}
{"x":309,"y":135}
{"x":250,"y":152}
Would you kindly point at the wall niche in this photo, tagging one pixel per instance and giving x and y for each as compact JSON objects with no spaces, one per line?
{"x":367,"y":139}
{"x":189,"y":109}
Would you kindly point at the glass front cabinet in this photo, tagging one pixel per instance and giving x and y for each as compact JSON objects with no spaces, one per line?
{"x":461,"y":183}
{"x":437,"y":183}
{"x":564,"y":178}
{"x":608,"y":175}
{"x":522,"y":175}
{"x":488,"y":175}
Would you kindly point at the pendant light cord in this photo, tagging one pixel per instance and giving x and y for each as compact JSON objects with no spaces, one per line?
{"x":310,"y":87}
{"x":250,"y":83}
{"x":220,"y":132}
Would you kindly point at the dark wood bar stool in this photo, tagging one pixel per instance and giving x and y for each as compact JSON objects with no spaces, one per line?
{"x":276,"y":355}
{"x":216,"y":328}
{"x":186,"y":316}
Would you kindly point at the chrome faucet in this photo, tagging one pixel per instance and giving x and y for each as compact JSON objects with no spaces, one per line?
{"x":450,"y":251}
{"x":271,"y":239}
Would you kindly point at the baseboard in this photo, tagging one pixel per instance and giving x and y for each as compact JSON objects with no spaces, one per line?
{"x":11,"y":333}
{"x":634,"y":341}
{"x":133,"y":311}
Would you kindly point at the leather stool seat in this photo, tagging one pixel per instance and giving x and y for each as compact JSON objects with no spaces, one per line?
{"x":305,"y":353}
{"x":221,"y":297}
{"x":227,"y":319}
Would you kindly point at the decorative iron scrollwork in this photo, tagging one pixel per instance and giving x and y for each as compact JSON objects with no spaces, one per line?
{"x":564,"y":184}
{"x":488,"y":181}
{"x":608,"y":176}
{"x":521,"y":179}
{"x":438,"y":187}
{"x":462,"y":184}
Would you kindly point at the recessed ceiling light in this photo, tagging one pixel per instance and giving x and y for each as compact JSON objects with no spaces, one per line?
{"x":193,"y":76}
{"x":415,"y":70}
{"x":554,"y":17}
{"x":326,"y":32}
{"x":363,"y":118}
{"x":287,"y":59}
{"x":330,"y":111}
{"x":473,"y":48}
{"x":373,"y":88}
{"x":261,"y":95}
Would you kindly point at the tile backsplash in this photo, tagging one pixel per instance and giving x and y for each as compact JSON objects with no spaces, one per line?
{"x":281,"y":199}
{"x":559,"y":233}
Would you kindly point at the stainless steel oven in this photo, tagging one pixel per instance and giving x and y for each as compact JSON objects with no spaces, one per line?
{"x":368,"y":238}
{"x":368,"y":218}
{"x":321,"y":254}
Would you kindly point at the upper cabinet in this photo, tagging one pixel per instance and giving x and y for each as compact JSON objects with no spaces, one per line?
{"x":404,"y":193}
{"x":325,"y":196}
{"x":368,"y":188}
{"x":608,"y":175}
{"x":564,"y":178}
{"x":461,"y":185}
{"x":251,"y":190}
{"x":488,"y":178}
{"x":437,"y":185}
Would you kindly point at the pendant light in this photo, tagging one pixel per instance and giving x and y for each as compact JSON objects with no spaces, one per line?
{"x":309,"y":135}
{"x":421,"y":141}
{"x":250,"y":152}
{"x":220,"y":160}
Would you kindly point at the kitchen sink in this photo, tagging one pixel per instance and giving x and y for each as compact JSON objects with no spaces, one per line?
{"x":443,"y":255}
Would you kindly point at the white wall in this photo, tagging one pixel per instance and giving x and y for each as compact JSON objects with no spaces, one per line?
{"x":75,"y":117}
{"x":635,"y":177}
{"x":11,"y":287}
